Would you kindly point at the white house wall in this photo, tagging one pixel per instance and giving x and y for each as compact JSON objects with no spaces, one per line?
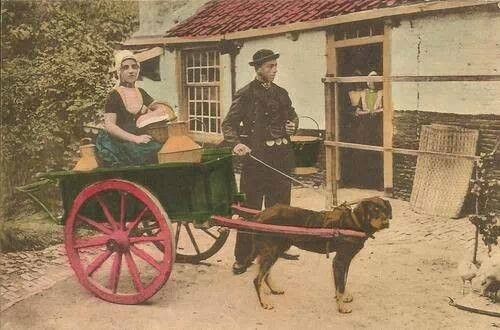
{"x":448,"y":44}
{"x":301,"y":66}
{"x":166,"y":89}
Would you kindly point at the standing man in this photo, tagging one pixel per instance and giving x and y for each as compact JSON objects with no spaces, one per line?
{"x":260,"y":122}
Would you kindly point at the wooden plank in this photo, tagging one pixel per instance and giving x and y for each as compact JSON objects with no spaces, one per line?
{"x":388,"y":127}
{"x":388,"y":78}
{"x":332,"y":145}
{"x":181,"y":99}
{"x":359,"y":41}
{"x":330,"y":153}
{"x":316,"y":24}
{"x":258,"y":227}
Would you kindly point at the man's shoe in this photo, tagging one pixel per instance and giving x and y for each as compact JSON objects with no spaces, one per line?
{"x":289,"y":256}
{"x":239,"y":268}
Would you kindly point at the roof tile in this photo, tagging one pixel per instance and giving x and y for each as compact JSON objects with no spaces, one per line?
{"x":225,"y":16}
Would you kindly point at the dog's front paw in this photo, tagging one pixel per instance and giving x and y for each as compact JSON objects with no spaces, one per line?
{"x":277,"y":291}
{"x":347,"y":298}
{"x":344,"y":309}
{"x":266,"y":305}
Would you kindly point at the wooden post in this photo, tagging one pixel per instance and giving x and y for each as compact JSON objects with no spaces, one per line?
{"x":180,"y":74}
{"x":330,"y":123}
{"x":330,"y":151}
{"x":388,"y":127}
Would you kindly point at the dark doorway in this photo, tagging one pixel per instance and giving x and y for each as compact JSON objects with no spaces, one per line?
{"x":360,"y":168}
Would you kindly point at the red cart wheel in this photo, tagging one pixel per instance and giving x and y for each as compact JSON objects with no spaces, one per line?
{"x":110,"y":254}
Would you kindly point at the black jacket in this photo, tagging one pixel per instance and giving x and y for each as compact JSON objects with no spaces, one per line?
{"x":258,"y":114}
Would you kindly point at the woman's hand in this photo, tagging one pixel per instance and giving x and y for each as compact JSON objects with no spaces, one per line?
{"x":139,"y":139}
{"x":241,"y":149}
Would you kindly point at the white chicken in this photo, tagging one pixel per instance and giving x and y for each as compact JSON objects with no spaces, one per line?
{"x":467,"y":271}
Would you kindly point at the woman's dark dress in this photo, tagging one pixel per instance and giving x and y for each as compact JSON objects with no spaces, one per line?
{"x":112,"y":151}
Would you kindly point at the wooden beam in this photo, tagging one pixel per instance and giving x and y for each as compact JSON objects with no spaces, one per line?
{"x":384,"y":79}
{"x":316,"y":24}
{"x":359,"y":41}
{"x":355,"y":79}
{"x":388,"y":126}
{"x":330,"y":153}
{"x":333,"y":145}
{"x":179,"y":73}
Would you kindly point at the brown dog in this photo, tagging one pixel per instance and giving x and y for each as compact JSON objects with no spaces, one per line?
{"x":369,"y":216}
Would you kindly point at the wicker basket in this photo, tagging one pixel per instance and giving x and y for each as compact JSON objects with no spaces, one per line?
{"x":158,"y":130}
{"x":441,"y":182}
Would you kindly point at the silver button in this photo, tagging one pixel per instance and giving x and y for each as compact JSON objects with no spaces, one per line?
{"x":270,"y":143}
{"x":278,"y":141}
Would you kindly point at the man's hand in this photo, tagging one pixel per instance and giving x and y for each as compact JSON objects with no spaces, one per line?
{"x":241,"y":149}
{"x":139,"y":139}
{"x":290,"y":127}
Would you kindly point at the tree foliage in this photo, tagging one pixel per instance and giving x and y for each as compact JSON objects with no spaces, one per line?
{"x":55,"y":62}
{"x":484,"y":186}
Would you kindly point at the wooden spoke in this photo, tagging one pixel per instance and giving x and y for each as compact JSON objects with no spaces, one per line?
{"x":146,"y":257}
{"x":91,"y":242}
{"x":210,"y":234}
{"x":114,"y":276}
{"x":134,"y":272}
{"x":107,"y":213}
{"x":98,"y":262}
{"x":192,"y":238}
{"x":146,"y":239}
{"x":138,"y":219}
{"x":177,"y":233}
{"x":96,"y":225}
{"x":123,"y":208}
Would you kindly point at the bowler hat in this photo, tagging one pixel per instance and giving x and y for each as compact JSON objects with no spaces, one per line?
{"x":262,"y":56}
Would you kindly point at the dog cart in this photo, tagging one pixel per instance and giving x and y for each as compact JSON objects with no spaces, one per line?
{"x":123,"y":225}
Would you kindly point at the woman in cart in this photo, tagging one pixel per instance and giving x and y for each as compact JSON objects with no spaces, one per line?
{"x":121,"y":144}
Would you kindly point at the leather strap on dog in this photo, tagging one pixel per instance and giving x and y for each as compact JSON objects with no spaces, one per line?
{"x":364,"y":228}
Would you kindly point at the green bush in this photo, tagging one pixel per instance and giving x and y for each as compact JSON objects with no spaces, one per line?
{"x":55,"y":62}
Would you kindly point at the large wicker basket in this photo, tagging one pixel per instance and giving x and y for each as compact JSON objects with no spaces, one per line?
{"x":441,"y":182}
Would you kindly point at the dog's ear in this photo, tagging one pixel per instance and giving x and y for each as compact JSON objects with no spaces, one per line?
{"x":388,"y":208}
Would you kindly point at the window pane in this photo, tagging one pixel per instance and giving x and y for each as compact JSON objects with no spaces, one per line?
{"x":217,"y":58}
{"x":198,"y":108}
{"x":196,"y":75}
{"x":198,"y":93}
{"x":211,"y":58}
{"x":196,"y":60}
{"x":211,"y":74}
{"x":190,"y":75}
{"x":204,"y":75}
{"x":191,"y":93}
{"x":213,"y":109}
{"x":191,"y":108}
{"x":189,"y":60}
{"x":205,"y":108}
{"x":213,"y":125}
{"x":192,"y":125}
{"x":214,"y":93}
{"x":217,"y":76}
{"x":204,"y":59}
{"x":364,"y":30}
{"x":378,"y":29}
{"x":205,"y":124}
{"x":206,"y":90}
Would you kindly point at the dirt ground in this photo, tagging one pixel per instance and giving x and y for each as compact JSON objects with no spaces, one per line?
{"x":400,"y":280}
